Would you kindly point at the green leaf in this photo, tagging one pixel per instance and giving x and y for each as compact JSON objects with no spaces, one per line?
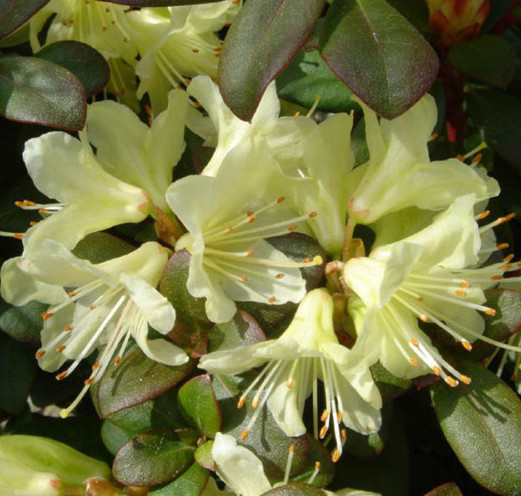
{"x":499,"y":115}
{"x":378,"y":54}
{"x":482,"y":423}
{"x":263,"y":39}
{"x":266,"y":439}
{"x":190,"y":483}
{"x":152,"y":458}
{"x":198,"y":405}
{"x":390,"y":386}
{"x":203,"y":455}
{"x":173,"y":285}
{"x":449,"y":489}
{"x":14,"y":13}
{"x":490,"y":59}
{"x":24,"y":323}
{"x":308,"y":77}
{"x":86,"y":63}
{"x":17,"y":369}
{"x":135,"y":380}
{"x":505,"y":323}
{"x":101,"y":246}
{"x":242,"y":330}
{"x":295,"y":489}
{"x":37,"y":91}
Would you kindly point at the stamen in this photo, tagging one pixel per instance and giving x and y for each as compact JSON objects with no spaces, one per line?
{"x":289,"y":462}
{"x":315,"y":473}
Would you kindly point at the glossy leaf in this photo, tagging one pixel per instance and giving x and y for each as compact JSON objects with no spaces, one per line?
{"x":203,"y":455}
{"x":198,"y":405}
{"x":263,"y":40}
{"x":40,"y":92}
{"x":490,"y":59}
{"x":499,"y":115}
{"x":295,"y":489}
{"x":364,"y":42}
{"x":242,"y":330}
{"x":308,"y":77}
{"x":173,"y":285}
{"x":86,"y":63}
{"x":14,"y":13}
{"x":24,"y":323}
{"x":482,"y":423}
{"x":191,"y":483}
{"x":505,"y":323}
{"x":135,"y":380}
{"x":152,"y":458}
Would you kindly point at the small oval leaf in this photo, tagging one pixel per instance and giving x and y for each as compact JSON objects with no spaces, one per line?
{"x":482,"y":423}
{"x":41,"y":92}
{"x":190,"y":483}
{"x":364,"y":42}
{"x":198,"y":405}
{"x":152,"y":458}
{"x":86,"y":63}
{"x":135,"y":380}
{"x":490,"y":59}
{"x":14,"y":13}
{"x":263,"y":39}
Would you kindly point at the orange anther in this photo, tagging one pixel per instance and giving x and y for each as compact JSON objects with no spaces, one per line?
{"x":40,"y":353}
{"x":67,"y":328}
{"x":279,"y":276}
{"x":271,"y":299}
{"x":46,"y":315}
{"x":484,"y":215}
{"x":324,"y":416}
{"x":244,"y":434}
{"x":60,"y":348}
{"x":336,"y":456}
{"x":96,"y":366}
{"x":451,"y":381}
{"x":491,"y":312}
{"x":464,"y":284}
{"x":465,"y":379}
{"x":414,"y":361}
{"x":415,"y":343}
{"x":89,"y":381}
{"x":241,"y":402}
{"x":61,"y":375}
{"x":228,"y":230}
{"x":281,"y":199}
{"x":292,"y":227}
{"x":466,"y":345}
{"x":323,"y":432}
{"x":460,"y":292}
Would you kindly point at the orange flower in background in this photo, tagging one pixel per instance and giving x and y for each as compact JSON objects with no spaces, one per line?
{"x":457,"y":20}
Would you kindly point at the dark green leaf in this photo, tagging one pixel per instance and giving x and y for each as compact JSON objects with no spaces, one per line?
{"x":449,"y":489}
{"x":308,"y":77}
{"x":87,"y":64}
{"x":266,"y":439}
{"x":295,"y":489}
{"x":38,"y":91}
{"x":203,"y":455}
{"x":242,"y":330}
{"x":482,"y":423}
{"x":263,"y":40}
{"x":24,"y":323}
{"x":152,"y":458}
{"x":506,"y":322}
{"x":499,"y":115}
{"x":17,"y":368}
{"x":135,"y":380}
{"x":190,"y":483}
{"x":173,"y":285}
{"x":364,"y":42}
{"x":14,"y":13}
{"x":490,"y":59}
{"x":100,"y":246}
{"x":389,"y":386}
{"x":198,"y":405}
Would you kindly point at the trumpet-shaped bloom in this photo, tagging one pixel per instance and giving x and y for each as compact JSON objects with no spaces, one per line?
{"x":432,"y":277}
{"x":105,"y":305}
{"x":37,"y":466}
{"x":175,"y":43}
{"x":244,"y":474}
{"x":228,"y":219}
{"x":307,"y":351}
{"x":102,"y":25}
{"x":399,"y":173}
{"x":121,"y":183}
{"x":319,"y":179}
{"x":285,"y":136}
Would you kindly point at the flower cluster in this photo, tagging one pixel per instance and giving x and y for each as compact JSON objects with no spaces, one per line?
{"x":275,"y":180}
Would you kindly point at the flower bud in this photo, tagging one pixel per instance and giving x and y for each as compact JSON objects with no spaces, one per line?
{"x":457,"y":20}
{"x":36,"y":466}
